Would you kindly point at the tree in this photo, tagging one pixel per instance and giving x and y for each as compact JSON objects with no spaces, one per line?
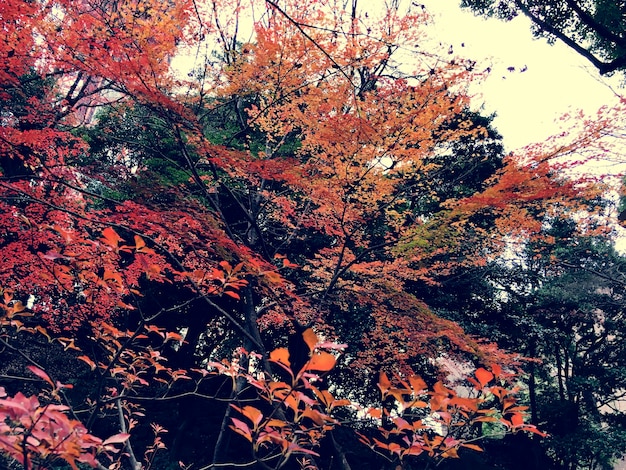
{"x":217,"y":240}
{"x":560,"y":301}
{"x":596,"y":30}
{"x":578,"y":310}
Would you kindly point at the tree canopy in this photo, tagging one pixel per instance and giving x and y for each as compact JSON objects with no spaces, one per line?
{"x":596,"y":30}
{"x":244,"y":259}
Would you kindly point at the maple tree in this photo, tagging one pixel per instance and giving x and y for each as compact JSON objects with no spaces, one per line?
{"x":215,"y":239}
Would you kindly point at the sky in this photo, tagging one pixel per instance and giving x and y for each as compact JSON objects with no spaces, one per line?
{"x":528,"y":103}
{"x":547,"y":80}
{"x":555,"y":80}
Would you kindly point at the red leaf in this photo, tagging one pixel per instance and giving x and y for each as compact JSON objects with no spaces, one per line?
{"x":483,"y":376}
{"x":517,"y":419}
{"x":232,"y":294}
{"x":11,"y":403}
{"x":174,"y":336}
{"x":289,"y":264}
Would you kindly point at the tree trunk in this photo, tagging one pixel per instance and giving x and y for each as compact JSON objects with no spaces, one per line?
{"x":343,"y":462}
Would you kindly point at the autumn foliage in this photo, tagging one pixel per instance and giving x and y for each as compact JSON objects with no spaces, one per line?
{"x":247,"y":239}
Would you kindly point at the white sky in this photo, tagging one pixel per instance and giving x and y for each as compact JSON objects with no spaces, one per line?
{"x":556,"y":79}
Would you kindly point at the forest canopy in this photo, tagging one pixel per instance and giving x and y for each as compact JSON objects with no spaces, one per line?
{"x":594,"y":29}
{"x":309,"y":252}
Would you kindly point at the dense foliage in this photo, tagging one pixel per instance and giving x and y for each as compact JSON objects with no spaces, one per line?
{"x":595,"y":29}
{"x":285,"y":258}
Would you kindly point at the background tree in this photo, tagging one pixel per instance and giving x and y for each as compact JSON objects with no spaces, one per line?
{"x":560,"y":302}
{"x":596,"y":30}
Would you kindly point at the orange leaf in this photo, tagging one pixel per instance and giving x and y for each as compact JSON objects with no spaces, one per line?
{"x":139,"y":243}
{"x":276,"y":423}
{"x":473,"y":447}
{"x":485,"y":419}
{"x":273,"y":277}
{"x":310,"y":338}
{"x":483,"y":376}
{"x":417,"y":383}
{"x":315,"y":416}
{"x":451,"y":453}
{"x":321,"y":362}
{"x":252,"y":414}
{"x":110,"y":237}
{"x":384,"y":383}
{"x":18,"y":307}
{"x":88,"y":361}
{"x":280,"y":355}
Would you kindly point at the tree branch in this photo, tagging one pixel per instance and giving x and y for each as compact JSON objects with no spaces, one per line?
{"x":131,"y":454}
{"x":603,"y":67}
{"x":598,"y":28}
